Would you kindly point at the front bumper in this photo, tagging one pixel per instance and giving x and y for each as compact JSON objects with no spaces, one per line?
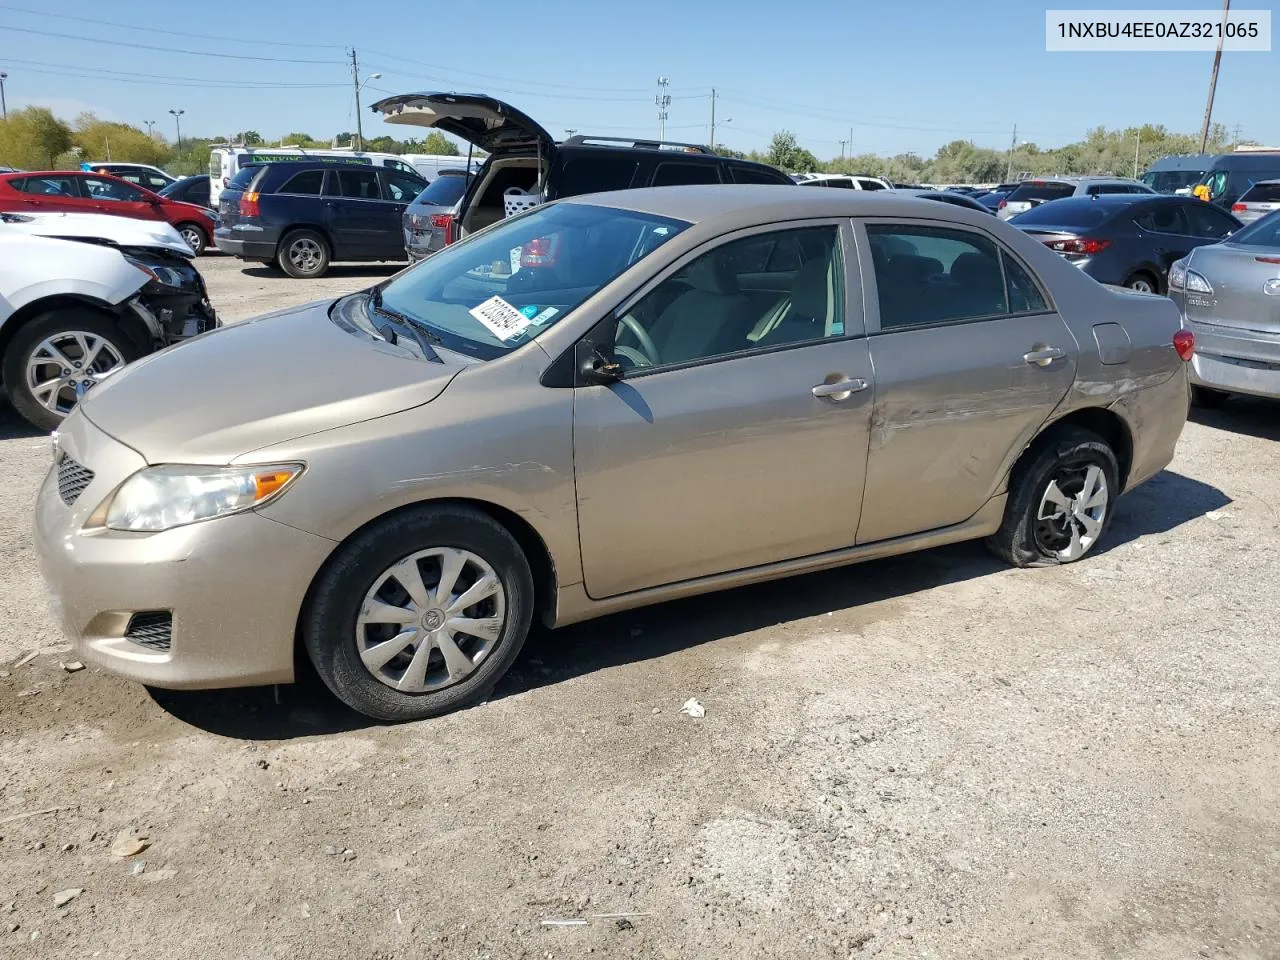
{"x":233,"y":586}
{"x":1235,"y":360}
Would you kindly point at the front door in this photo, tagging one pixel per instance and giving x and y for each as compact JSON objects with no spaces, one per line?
{"x":738,"y":433}
{"x":970,"y":360}
{"x":356,"y":214}
{"x":115,"y":196}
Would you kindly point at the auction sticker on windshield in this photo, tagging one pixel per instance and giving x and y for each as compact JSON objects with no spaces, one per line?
{"x":501,"y":319}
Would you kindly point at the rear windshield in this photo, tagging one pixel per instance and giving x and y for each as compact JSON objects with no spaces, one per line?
{"x":243,"y":178}
{"x":1042,"y":191}
{"x":1262,"y":193}
{"x":1071,"y":212}
{"x":444,"y":191}
{"x":1261,"y":233}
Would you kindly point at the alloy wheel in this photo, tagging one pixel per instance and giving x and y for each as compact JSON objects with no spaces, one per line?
{"x":431,"y":619}
{"x":1141,"y":285}
{"x":192,"y":237}
{"x":305,"y":254}
{"x":65,"y":366}
{"x":1072,"y":511}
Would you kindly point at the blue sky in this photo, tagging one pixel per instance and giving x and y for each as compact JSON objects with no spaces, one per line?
{"x":903,"y":76}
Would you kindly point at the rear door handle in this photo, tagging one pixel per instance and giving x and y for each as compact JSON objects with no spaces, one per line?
{"x":842,"y":389}
{"x":1043,"y":356}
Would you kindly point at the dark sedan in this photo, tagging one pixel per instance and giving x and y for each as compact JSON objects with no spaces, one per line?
{"x":189,"y":190}
{"x":1126,"y":239}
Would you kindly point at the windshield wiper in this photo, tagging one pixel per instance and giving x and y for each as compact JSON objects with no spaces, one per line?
{"x":420,"y":333}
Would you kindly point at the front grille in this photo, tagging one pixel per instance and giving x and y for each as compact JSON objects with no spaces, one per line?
{"x":152,"y":629}
{"x":72,"y":480}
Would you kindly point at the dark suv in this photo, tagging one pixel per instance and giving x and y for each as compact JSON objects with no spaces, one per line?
{"x":302,"y":215}
{"x":523,"y":155}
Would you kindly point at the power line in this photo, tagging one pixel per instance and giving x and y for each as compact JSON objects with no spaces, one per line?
{"x":212,"y":81}
{"x":145,"y":46}
{"x":436,"y":78}
{"x":133,"y":27}
{"x":523,"y":81}
{"x":200,"y":86}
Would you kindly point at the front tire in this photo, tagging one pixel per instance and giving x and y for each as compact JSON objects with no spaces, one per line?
{"x":1061,"y":499}
{"x":420,"y":614}
{"x":1143,"y":282}
{"x":52,"y":361}
{"x":194,"y":236}
{"x":303,"y":254}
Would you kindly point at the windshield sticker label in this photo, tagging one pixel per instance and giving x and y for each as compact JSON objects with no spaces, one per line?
{"x":545,"y":315}
{"x":530,"y":310}
{"x":502,"y":319}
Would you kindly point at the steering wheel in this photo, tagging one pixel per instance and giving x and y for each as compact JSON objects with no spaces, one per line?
{"x":641,"y":335}
{"x":637,"y":358}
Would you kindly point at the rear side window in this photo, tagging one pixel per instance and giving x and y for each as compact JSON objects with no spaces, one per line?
{"x":587,"y":174}
{"x":307,"y":183}
{"x":1262,"y":193}
{"x":243,"y":178}
{"x":870,"y":184}
{"x":444,"y":191}
{"x":401,"y":187}
{"x":1103,"y":188}
{"x":745,"y":174}
{"x":359,"y":185}
{"x":841,"y":183}
{"x":1043,"y":191}
{"x":46,"y":186}
{"x":674,"y":174}
{"x":1024,"y":294}
{"x":928,"y":275}
{"x":1166,"y":218}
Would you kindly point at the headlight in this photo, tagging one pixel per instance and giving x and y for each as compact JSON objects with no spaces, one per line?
{"x":165,"y":276}
{"x":159,"y":498}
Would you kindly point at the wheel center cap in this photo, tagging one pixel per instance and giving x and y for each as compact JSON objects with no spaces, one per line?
{"x":432,"y":620}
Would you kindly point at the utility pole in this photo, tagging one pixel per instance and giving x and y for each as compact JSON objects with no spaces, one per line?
{"x":570,"y":131}
{"x":662,"y":100}
{"x":842,"y":145}
{"x":4,"y":107}
{"x":177,"y":122}
{"x":1213,"y":79}
{"x":1013,"y":144}
{"x":355,"y":80}
{"x":1136,"y":147}
{"x":713,"y":119}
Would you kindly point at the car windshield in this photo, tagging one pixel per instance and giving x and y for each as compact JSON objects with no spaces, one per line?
{"x":1264,"y":232}
{"x":1072,"y":212}
{"x":444,"y":191}
{"x":498,"y":290}
{"x":1168,"y":181}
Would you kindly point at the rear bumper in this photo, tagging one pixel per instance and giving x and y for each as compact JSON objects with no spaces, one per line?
{"x":241,"y":243}
{"x":1236,"y":361}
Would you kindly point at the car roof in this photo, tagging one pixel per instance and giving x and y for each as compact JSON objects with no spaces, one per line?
{"x":740,"y":205}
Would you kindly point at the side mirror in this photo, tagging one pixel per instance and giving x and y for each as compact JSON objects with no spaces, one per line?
{"x":594,"y":369}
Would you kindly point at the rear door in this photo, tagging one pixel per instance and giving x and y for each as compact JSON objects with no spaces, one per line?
{"x":357,"y":217}
{"x":398,"y":190}
{"x":970,"y":359}
{"x":114,"y":196}
{"x":51,"y":193}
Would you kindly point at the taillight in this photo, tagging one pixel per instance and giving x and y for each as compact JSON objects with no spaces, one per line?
{"x":444,"y":221}
{"x":1002,"y":204}
{"x":1081,"y":246}
{"x":1238,"y":208}
{"x":1267,"y":259}
{"x":1184,"y":341}
{"x":540,"y":252}
{"x":249,"y":205}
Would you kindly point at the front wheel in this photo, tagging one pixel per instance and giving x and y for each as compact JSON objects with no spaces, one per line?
{"x":421,"y":614}
{"x":194,"y":236}
{"x":59,"y":356}
{"x":303,"y":254}
{"x":1060,"y":501}
{"x":1143,"y":283}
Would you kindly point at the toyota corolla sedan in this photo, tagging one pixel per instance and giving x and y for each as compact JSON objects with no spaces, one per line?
{"x":597,"y":404}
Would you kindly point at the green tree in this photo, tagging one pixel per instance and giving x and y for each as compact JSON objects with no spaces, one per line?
{"x":297,"y":140}
{"x":785,"y":154}
{"x":437,"y":143}
{"x":105,"y":140}
{"x":250,"y":138}
{"x":33,"y":138}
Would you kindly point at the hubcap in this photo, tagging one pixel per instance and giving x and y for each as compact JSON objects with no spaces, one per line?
{"x":305,"y":255}
{"x":1072,"y":511}
{"x":430,"y":620}
{"x":67,"y":365}
{"x":193,"y":238}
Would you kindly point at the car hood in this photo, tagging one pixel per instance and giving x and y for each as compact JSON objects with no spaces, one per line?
{"x":98,"y":227}
{"x":285,"y":375}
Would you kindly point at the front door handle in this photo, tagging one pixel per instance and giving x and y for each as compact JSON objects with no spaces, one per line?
{"x":1043,"y":356}
{"x":842,"y":389}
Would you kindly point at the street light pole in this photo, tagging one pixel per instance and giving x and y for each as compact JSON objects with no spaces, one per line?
{"x":177,"y":122}
{"x":4,"y":107}
{"x":359,"y":85}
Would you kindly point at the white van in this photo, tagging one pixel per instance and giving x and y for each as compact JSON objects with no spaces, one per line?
{"x":429,"y":165}
{"x":225,"y":162}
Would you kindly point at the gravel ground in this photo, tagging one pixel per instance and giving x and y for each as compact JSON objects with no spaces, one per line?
{"x":930,"y":756}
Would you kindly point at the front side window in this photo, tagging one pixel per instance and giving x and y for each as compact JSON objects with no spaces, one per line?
{"x":1210,"y":223}
{"x":706,"y":309}
{"x":499,"y":289}
{"x":928,"y":275}
{"x":100,"y":188}
{"x":870,"y":184}
{"x":1263,"y":232}
{"x":359,"y":185}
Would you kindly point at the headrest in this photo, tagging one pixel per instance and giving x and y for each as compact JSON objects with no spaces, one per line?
{"x":711,"y":274}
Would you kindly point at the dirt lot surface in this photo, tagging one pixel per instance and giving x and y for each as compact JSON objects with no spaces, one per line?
{"x":932,"y":756}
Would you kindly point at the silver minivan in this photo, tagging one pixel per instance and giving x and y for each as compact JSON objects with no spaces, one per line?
{"x":1259,"y":200}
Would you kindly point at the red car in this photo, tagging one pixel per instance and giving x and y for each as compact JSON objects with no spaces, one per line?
{"x":76,"y":191}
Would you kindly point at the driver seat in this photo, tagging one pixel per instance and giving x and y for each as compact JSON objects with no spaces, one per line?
{"x":710,"y":318}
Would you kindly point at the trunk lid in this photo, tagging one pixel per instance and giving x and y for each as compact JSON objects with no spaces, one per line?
{"x":1246,"y":287}
{"x":489,"y":123}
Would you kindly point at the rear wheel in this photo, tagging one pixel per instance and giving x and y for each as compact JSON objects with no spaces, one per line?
{"x":421,"y":614}
{"x":303,"y":254}
{"x":194,"y":236}
{"x":1143,"y":282}
{"x":1205,"y":397}
{"x":1060,"y":500}
{"x":58,"y":357}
